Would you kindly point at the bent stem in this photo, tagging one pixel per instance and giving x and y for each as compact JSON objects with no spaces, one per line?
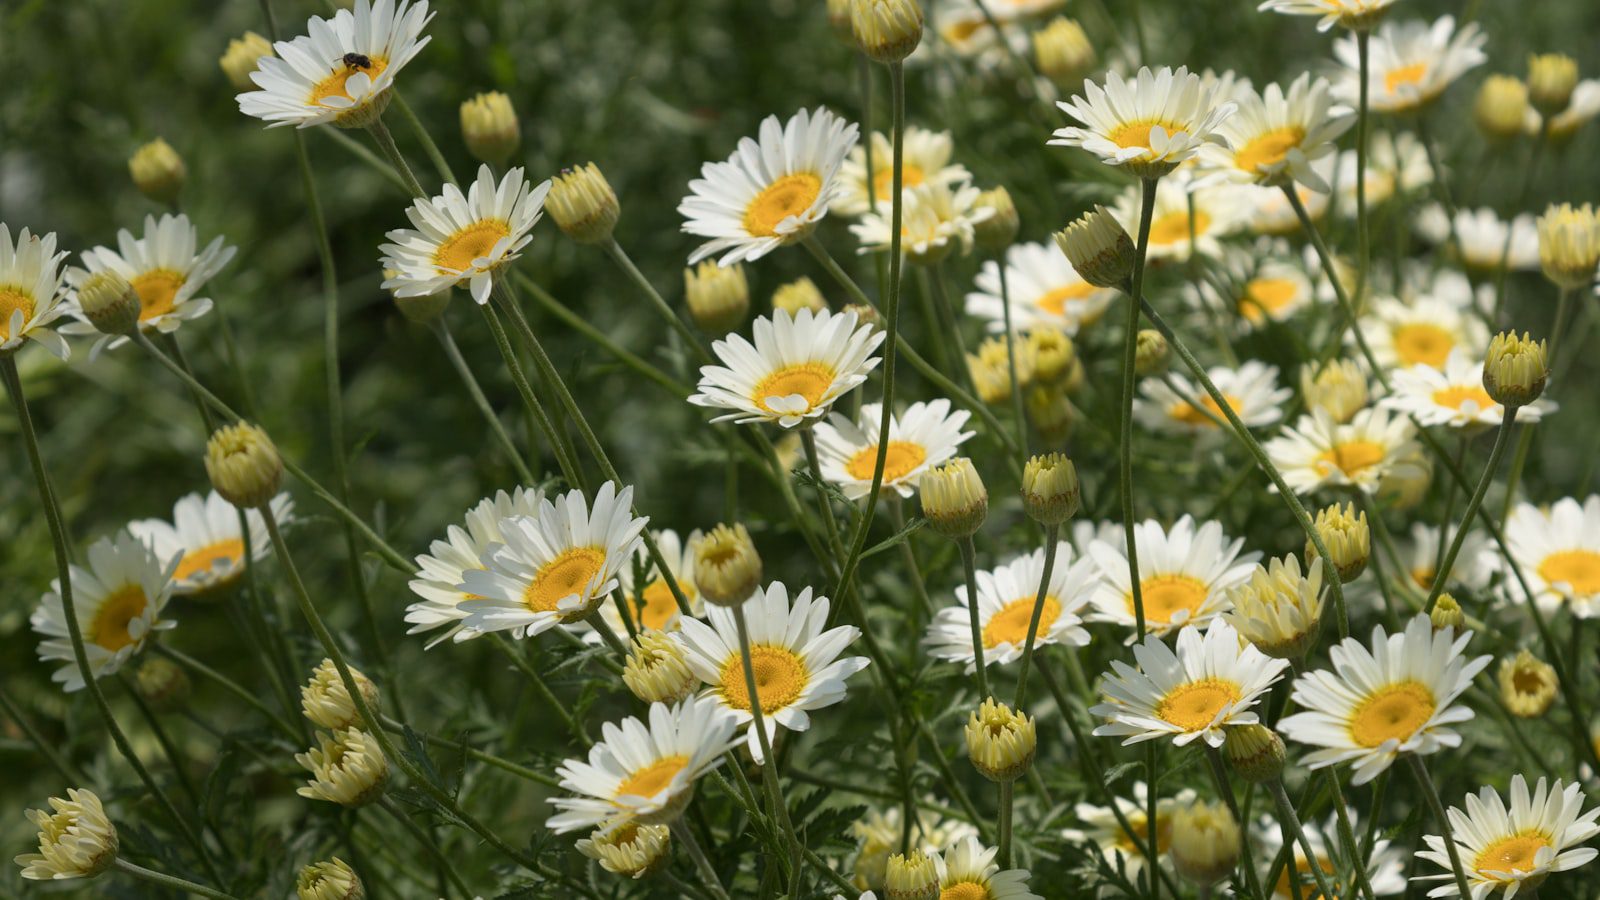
{"x":968,"y":569}
{"x":1431,"y":793}
{"x":170,"y":882}
{"x":475,"y":391}
{"x":1052,"y":536}
{"x":685,"y":836}
{"x":1501,"y":438}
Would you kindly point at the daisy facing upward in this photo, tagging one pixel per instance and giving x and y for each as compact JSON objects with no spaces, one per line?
{"x":441,"y":570}
{"x":922,"y":437}
{"x":1184,"y":575}
{"x":205,"y":531}
{"x":1149,"y":124}
{"x":1005,"y":610}
{"x":1514,"y":850}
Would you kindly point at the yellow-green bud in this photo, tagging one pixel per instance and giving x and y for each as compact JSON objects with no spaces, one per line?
{"x":1256,"y":752}
{"x":1099,"y":248}
{"x":1063,"y":52}
{"x":1050,"y":491}
{"x":327,"y":704}
{"x":1206,"y":842}
{"x":489,"y":128}
{"x":886,"y":30}
{"x":158,"y":171}
{"x":1501,"y":108}
{"x":109,"y":302}
{"x":583,"y":204}
{"x":1151,"y":354}
{"x":1569,"y":245}
{"x":1000,"y":229}
{"x":629,"y":849}
{"x":954,"y":500}
{"x":1516,"y":369}
{"x":656,"y":670}
{"x":244,"y":465}
{"x":801,"y":293}
{"x":76,"y":839}
{"x":1447,"y":614}
{"x":1527,"y":685}
{"x":162,"y":683}
{"x":243,"y":55}
{"x":911,"y":876}
{"x":1052,"y":353}
{"x":1348,"y":537}
{"x":331,"y":879}
{"x":727,"y":569}
{"x":1551,"y":80}
{"x":347,"y":767}
{"x":718,"y":296}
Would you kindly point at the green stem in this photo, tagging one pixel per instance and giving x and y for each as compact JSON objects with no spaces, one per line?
{"x":769,"y":765}
{"x":685,"y":836}
{"x":625,"y":263}
{"x":1431,"y":794}
{"x":1219,"y":775}
{"x":1363,"y":235}
{"x":427,"y":843}
{"x":47,"y":749}
{"x":1006,"y":799}
{"x":1504,"y":268}
{"x":1130,"y":346}
{"x":452,"y":352}
{"x":1011,"y":355}
{"x":391,"y":152}
{"x":526,"y":668}
{"x":1346,"y":305}
{"x":1500,"y":440}
{"x":1287,"y":816}
{"x":428,"y":146}
{"x":550,"y":304}
{"x":231,"y":686}
{"x":530,"y":401}
{"x":504,"y":765}
{"x":1052,"y":536}
{"x":170,"y":882}
{"x":968,"y":569}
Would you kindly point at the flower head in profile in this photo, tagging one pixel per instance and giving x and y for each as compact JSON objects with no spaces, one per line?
{"x":30,"y":292}
{"x":628,"y":848}
{"x":341,"y":70}
{"x":925,"y":159}
{"x":1190,"y":217}
{"x":205,"y":531}
{"x":644,"y":772}
{"x":793,"y":372}
{"x":1396,"y":695}
{"x":463,"y":239}
{"x":922,"y":437}
{"x":1512,"y":850}
{"x":1043,"y":289}
{"x":1006,"y":597}
{"x":1357,"y":15}
{"x":76,"y":839}
{"x":1184,"y":575}
{"x":118,"y":599}
{"x":1279,"y":610}
{"x":347,"y":767}
{"x":441,"y":570}
{"x":772,"y":191}
{"x":967,"y":869}
{"x":1411,"y":63}
{"x":1149,"y":124}
{"x":1275,"y":136}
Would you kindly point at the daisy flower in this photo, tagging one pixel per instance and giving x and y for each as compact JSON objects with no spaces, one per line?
{"x":1480,"y":237}
{"x":1453,"y":396}
{"x":797,"y":367}
{"x":1423,"y":331}
{"x":1558,"y":550}
{"x":924,"y":159}
{"x":1584,"y":105}
{"x":772,"y":191}
{"x":1005,"y":609}
{"x":1259,"y":285}
{"x":1149,"y":124}
{"x":1118,"y":846}
{"x":205,"y":532}
{"x":1396,"y":165}
{"x":30,"y":291}
{"x":463,"y":239}
{"x":1397,"y":697}
{"x":922,"y":437}
{"x":1319,"y":453}
{"x":1355,"y":14}
{"x":1251,"y":391}
{"x":796,"y":662}
{"x":644,"y":773}
{"x":1192,"y":693}
{"x":341,"y":69}
{"x":1044,"y":289}
{"x":1385,"y":866}
{"x":651,"y":603}
{"x":1184,"y":575}
{"x":967,"y":872}
{"x":118,"y":600}
{"x":1514,"y":850}
{"x":1272,"y":214}
{"x":440,"y":571}
{"x":935,"y":219}
{"x":164,"y":270}
{"x":1474,"y":567}
{"x":878,"y":836}
{"x":1275,"y":136}
{"x":1218,"y":212}
{"x":552,"y":568}
{"x":1410,"y":63}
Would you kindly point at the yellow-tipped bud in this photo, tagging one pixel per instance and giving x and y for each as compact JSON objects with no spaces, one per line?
{"x":630,"y":849}
{"x":76,"y":839}
{"x":866,"y":315}
{"x":244,"y":465}
{"x":1278,"y":609}
{"x":718,"y":296}
{"x":1569,"y":245}
{"x":1501,"y":108}
{"x":656,"y":670}
{"x":1052,"y":353}
{"x":1050,"y":491}
{"x":990,"y":367}
{"x":1256,"y":752}
{"x":583,"y":204}
{"x":1151,"y":353}
{"x":727,"y":569}
{"x":158,"y":171}
{"x":109,"y":302}
{"x":331,"y":879}
{"x":1206,"y":842}
{"x":954,"y":500}
{"x":886,"y":30}
{"x":997,"y":231}
{"x":1348,"y":537}
{"x":489,"y":128}
{"x":911,"y":876}
{"x":347,"y":768}
{"x":1527,"y":685}
{"x":801,"y":293}
{"x":1063,"y":52}
{"x":1516,"y":369}
{"x":327,"y":704}
{"x":244,"y":53}
{"x":1447,"y":614}
{"x":1051,"y":413}
{"x":1340,"y":389}
{"x":1551,"y":80}
{"x":1001,"y":743}
{"x":162,"y":683}
{"x":1099,"y":248}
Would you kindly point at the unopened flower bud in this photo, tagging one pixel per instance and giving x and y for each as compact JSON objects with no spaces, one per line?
{"x":583,"y":204}
{"x":1338,"y":389}
{"x":244,"y":465}
{"x":1348,"y":537}
{"x":158,"y":171}
{"x":801,"y":293}
{"x":1447,"y":614}
{"x":1516,"y":369}
{"x":76,"y":839}
{"x":1551,"y":79}
{"x":1256,"y":752}
{"x":162,"y":683}
{"x":1001,"y":743}
{"x":727,"y":568}
{"x":1063,"y":52}
{"x":331,"y":879}
{"x":1052,"y":353}
{"x":1206,"y":842}
{"x":1152,"y":353}
{"x":839,"y":21}
{"x":911,"y":876}
{"x":489,"y":128}
{"x":327,"y":704}
{"x":866,"y":315}
{"x":954,"y":500}
{"x":1050,"y":492}
{"x":656,"y":670}
{"x":1501,"y":109}
{"x":718,"y":296}
{"x":1569,"y":245}
{"x":241,"y":58}
{"x":1099,"y":248}
{"x":109,"y":302}
{"x":1527,"y":685}
{"x":997,"y":231}
{"x":629,"y":849}
{"x":347,"y":767}
{"x":1051,"y":413}
{"x":886,"y":30}
{"x":1278,"y":609}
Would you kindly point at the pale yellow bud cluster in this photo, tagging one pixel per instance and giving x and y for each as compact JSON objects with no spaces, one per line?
{"x":1516,"y":369}
{"x":718,"y":296}
{"x":158,"y":171}
{"x":347,"y":767}
{"x":1051,"y":412}
{"x":76,"y":839}
{"x":991,"y":366}
{"x":1501,"y":108}
{"x":1000,"y":742}
{"x":1348,"y":538}
{"x":327,"y":704}
{"x":1052,"y":353}
{"x":1527,"y":685}
{"x":109,"y":302}
{"x":1206,"y":842}
{"x":1447,"y":614}
{"x":911,"y":876}
{"x":1256,"y":752}
{"x":1099,"y":248}
{"x":999,"y":229}
{"x":1551,"y":80}
{"x":727,"y":569}
{"x":583,"y":204}
{"x":656,"y":670}
{"x":1278,"y":609}
{"x":1151,"y":353}
{"x":630,"y":849}
{"x":489,"y":128}
{"x":954,"y":500}
{"x":886,"y":30}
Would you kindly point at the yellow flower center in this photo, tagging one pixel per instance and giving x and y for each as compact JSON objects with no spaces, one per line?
{"x":1579,"y":568}
{"x":1174,"y":227}
{"x":1514,"y":853}
{"x":157,"y":290}
{"x":1351,"y":457}
{"x":1195,"y":705}
{"x":650,"y":780}
{"x":1010,"y":624}
{"x":901,"y":458}
{"x":1266,"y":296}
{"x":809,"y":380}
{"x":460,"y":250}
{"x":1269,"y":149}
{"x":1302,"y":868}
{"x":1136,"y":820}
{"x":333,"y":85}
{"x":1165,"y":595}
{"x":1420,"y":342}
{"x":13,"y":298}
{"x":1393,"y":712}
{"x":1188,"y":414}
{"x":1423,"y":576}
{"x":1527,"y":680}
{"x":1405,"y":76}
{"x":219,"y":555}
{"x":1055,"y":300}
{"x":569,"y":573}
{"x":659,"y":606}
{"x":883,"y":180}
{"x":109,"y":627}
{"x":780,"y":677}
{"x":788,"y":196}
{"x":1137,"y":134}
{"x":965,"y":890}
{"x":1458,"y":397}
